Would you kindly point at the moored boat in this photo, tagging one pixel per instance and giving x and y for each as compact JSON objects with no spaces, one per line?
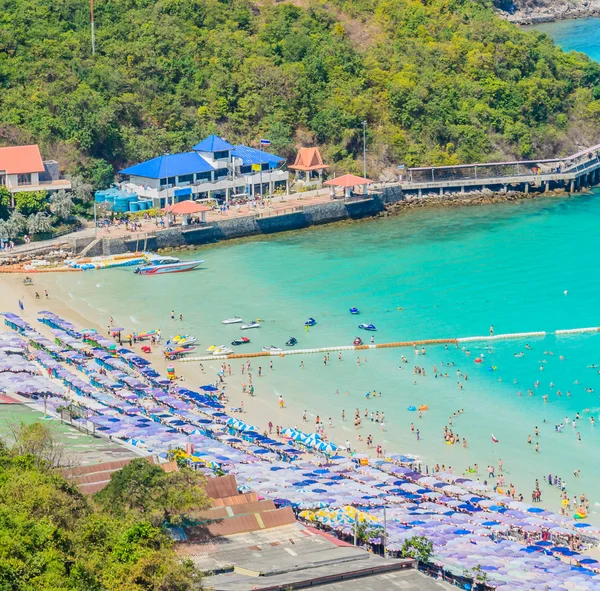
{"x":310,"y":322}
{"x":158,"y":266}
{"x":367,"y":326}
{"x":291,"y":341}
{"x":354,"y":311}
{"x":250,"y":325}
{"x":357,"y":341}
{"x":271,"y":348}
{"x":242,"y":341}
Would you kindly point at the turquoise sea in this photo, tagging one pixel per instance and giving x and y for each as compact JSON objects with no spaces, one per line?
{"x":577,"y":35}
{"x":454,"y":272}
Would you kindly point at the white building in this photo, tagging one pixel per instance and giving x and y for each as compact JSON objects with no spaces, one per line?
{"x":22,"y":169}
{"x":213,"y":169}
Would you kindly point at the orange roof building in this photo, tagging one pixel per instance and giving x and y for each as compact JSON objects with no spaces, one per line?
{"x":22,"y":169}
{"x":309,"y":160}
{"x":21,"y":160}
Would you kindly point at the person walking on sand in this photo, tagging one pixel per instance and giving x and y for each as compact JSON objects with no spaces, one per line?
{"x":46,"y":294}
{"x":281,"y":403}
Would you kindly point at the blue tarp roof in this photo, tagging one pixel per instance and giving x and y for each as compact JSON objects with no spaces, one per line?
{"x":173,"y":165}
{"x":254,"y":156}
{"x":213,"y":143}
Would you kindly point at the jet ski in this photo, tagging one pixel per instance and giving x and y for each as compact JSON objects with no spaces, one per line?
{"x":354,"y":311}
{"x":367,"y":326}
{"x":271,"y":348}
{"x":211,"y":348}
{"x":292,"y":341}
{"x":234,"y":320}
{"x":242,"y":341}
{"x":357,"y":341}
{"x":222,"y":350}
{"x":251,"y":325}
{"x":310,"y":322}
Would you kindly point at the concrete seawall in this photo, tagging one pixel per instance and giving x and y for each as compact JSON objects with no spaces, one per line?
{"x":252,"y":225}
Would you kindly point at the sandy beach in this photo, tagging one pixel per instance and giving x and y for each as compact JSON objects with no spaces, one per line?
{"x":257,"y":410}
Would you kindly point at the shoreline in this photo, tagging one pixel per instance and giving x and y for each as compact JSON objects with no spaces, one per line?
{"x":551,"y":13}
{"x":259,"y":409}
{"x":175,"y":241}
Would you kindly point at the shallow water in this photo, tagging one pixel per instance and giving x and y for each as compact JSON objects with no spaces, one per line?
{"x":453,"y":273}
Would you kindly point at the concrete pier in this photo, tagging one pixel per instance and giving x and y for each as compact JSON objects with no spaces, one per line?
{"x":581,"y":169}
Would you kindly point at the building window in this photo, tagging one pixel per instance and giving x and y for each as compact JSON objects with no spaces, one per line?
{"x":171,"y":181}
{"x":186,"y":178}
{"x":203,"y":176}
{"x":245,"y":169}
{"x":221,"y":172}
{"x":221,"y":155}
{"x":24,"y":179}
{"x":2,"y":180}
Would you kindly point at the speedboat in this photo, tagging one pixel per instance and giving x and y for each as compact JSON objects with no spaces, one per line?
{"x":310,"y":322}
{"x":234,"y":320}
{"x":162,"y":265}
{"x":354,"y":311}
{"x":271,"y":348}
{"x":357,"y":341}
{"x":222,"y":350}
{"x":242,"y":341}
{"x":251,"y":325}
{"x":292,"y":341}
{"x":367,"y":326}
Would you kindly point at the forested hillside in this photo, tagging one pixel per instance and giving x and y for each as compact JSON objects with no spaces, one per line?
{"x":439,"y":81}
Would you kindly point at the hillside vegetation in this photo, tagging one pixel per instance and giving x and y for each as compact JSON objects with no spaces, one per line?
{"x":439,"y":81}
{"x":52,"y":538}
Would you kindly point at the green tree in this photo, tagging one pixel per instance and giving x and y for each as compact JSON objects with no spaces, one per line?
{"x":159,"y":495}
{"x":4,"y":202}
{"x":82,"y":190}
{"x":39,"y":223}
{"x":61,"y":205}
{"x":417,"y":547}
{"x":30,"y":202}
{"x":52,"y":537}
{"x":18,"y":221}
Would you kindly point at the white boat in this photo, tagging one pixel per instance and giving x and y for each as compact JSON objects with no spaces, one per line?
{"x":271,"y":348}
{"x":222,"y":351}
{"x":251,"y":325}
{"x":234,"y":320}
{"x":162,"y":265}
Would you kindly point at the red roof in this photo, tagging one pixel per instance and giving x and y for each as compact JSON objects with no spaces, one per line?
{"x":348,"y":180}
{"x":21,"y":159}
{"x":309,"y":159}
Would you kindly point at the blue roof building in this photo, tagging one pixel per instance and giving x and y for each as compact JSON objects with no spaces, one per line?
{"x":169,"y":166}
{"x":250,"y":156}
{"x":213,"y":143}
{"x":213,"y":169}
